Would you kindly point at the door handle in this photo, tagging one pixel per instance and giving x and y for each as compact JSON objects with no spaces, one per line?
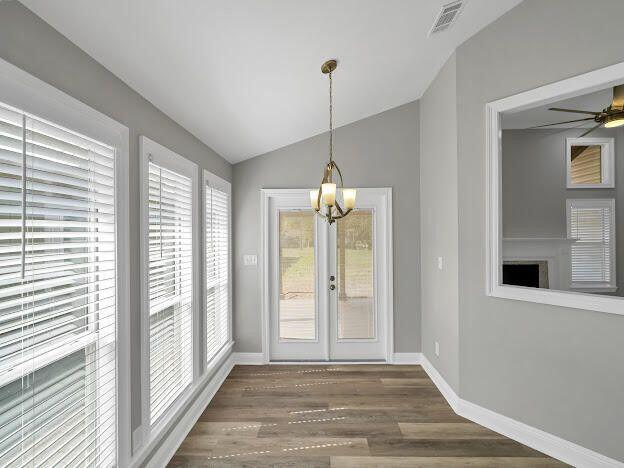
{"x":332,"y":287}
{"x":332,"y":278}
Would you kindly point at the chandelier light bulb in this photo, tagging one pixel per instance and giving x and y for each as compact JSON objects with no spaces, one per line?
{"x":328,"y":191}
{"x":314,"y":201}
{"x":348,"y":196}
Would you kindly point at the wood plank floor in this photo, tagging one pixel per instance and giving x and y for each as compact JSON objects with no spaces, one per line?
{"x":355,"y":416}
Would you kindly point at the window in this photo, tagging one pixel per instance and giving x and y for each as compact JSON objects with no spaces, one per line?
{"x":591,"y":222}
{"x":169,"y":188}
{"x":58,"y":290}
{"x":589,"y":162}
{"x":217,"y":217}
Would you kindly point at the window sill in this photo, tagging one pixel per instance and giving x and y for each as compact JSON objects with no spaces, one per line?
{"x":571,"y":299}
{"x":173,"y":414}
{"x":593,"y":289}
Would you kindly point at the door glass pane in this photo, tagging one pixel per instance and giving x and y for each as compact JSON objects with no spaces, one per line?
{"x":297,"y":308}
{"x":356,"y":313}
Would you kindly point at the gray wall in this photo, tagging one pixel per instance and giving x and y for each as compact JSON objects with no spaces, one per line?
{"x":439,"y":223}
{"x":554,"y":368}
{"x":380,"y":151}
{"x":31,"y":44}
{"x":534,"y":186}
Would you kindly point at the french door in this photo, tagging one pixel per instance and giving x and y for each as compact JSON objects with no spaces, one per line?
{"x":328,"y":286}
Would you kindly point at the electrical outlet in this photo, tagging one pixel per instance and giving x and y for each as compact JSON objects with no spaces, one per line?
{"x":437,"y":349}
{"x":440,"y":263}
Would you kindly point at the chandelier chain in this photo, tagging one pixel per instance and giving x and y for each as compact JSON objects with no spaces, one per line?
{"x":331,"y":119}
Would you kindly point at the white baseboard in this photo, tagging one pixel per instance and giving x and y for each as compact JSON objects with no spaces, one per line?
{"x":445,"y":389}
{"x":249,"y":359}
{"x":406,"y":358}
{"x":556,"y":447}
{"x":168,"y":446}
{"x":550,"y":444}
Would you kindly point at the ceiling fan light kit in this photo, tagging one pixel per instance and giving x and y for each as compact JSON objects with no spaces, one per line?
{"x":325,"y":200}
{"x":613,"y":121}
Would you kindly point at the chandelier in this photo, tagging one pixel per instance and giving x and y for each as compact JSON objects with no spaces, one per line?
{"x":325,"y":200}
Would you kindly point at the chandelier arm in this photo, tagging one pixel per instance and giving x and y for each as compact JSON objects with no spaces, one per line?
{"x":339,"y":175}
{"x":318,"y":197}
{"x":318,"y":212}
{"x":347,"y":212}
{"x":343,"y":215}
{"x":330,"y":218}
{"x":339,"y":209}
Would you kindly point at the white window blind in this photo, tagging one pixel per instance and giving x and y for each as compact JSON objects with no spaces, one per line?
{"x":591,"y":222}
{"x":57,"y":296}
{"x":217,"y":205}
{"x":170,"y":287}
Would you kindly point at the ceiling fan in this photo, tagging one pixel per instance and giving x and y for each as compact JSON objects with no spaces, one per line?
{"x":612,"y":116}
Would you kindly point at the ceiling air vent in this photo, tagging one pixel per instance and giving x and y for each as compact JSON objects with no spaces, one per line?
{"x":447,"y":15}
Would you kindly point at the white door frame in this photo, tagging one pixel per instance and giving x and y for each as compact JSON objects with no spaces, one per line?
{"x":385,"y":260}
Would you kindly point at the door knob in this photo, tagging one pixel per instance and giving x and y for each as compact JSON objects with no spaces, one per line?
{"x":332,"y":287}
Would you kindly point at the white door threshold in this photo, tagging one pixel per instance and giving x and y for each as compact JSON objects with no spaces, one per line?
{"x":259,"y":359}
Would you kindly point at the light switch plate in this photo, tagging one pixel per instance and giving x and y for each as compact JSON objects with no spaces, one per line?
{"x":250,"y":260}
{"x":437,"y":349}
{"x":440,"y":263}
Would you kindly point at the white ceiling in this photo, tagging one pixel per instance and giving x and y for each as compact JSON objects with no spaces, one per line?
{"x":540,"y":115}
{"x":244,"y":76}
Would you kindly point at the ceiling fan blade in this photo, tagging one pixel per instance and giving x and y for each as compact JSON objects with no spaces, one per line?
{"x":564,"y":122}
{"x":576,"y":111}
{"x":590,"y":130}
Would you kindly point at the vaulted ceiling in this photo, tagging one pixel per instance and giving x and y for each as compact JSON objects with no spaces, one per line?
{"x":244,"y":76}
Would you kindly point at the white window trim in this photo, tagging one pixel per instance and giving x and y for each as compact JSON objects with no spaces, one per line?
{"x":162,"y":155}
{"x":208,"y":178}
{"x":596,"y":203}
{"x":581,"y":84}
{"x":28,"y":93}
{"x":607,"y":163}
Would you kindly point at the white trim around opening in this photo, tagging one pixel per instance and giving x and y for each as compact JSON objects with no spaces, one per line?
{"x":386,"y":296}
{"x":581,"y":84}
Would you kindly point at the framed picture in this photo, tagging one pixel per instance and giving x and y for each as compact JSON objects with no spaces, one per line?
{"x":589,"y":163}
